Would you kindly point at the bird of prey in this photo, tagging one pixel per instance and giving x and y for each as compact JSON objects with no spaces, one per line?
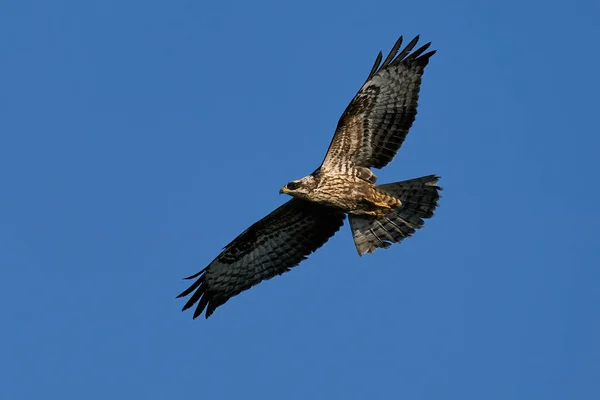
{"x":368,"y":135}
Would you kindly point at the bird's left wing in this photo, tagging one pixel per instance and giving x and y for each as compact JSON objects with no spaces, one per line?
{"x":377,"y":120}
{"x":268,"y":248}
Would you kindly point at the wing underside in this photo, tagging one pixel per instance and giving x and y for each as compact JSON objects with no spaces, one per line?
{"x":377,"y":120}
{"x":268,"y":248}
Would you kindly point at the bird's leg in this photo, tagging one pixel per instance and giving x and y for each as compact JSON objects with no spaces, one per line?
{"x":373,"y":213}
{"x":372,"y":202}
{"x":381,"y":204}
{"x":384,"y":200}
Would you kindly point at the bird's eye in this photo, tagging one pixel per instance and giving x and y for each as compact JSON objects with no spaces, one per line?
{"x":293,"y":185}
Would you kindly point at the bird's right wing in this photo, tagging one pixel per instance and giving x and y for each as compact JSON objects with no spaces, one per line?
{"x":268,"y":248}
{"x":377,"y":120}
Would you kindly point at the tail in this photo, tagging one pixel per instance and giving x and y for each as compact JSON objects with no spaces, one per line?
{"x":419,"y":199}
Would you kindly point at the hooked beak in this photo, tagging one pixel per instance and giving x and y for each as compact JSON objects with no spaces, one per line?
{"x":284,"y":190}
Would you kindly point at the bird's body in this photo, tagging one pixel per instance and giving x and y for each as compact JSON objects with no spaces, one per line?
{"x":368,"y":135}
{"x":347,"y":192}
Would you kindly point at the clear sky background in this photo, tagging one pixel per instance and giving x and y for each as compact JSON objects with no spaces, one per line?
{"x":137,"y":138}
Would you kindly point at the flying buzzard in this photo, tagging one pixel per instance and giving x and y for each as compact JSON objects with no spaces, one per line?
{"x":369,"y":134}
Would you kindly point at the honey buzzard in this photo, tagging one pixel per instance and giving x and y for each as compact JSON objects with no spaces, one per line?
{"x":368,"y":135}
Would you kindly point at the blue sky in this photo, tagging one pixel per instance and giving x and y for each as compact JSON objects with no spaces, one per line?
{"x":140,"y":137}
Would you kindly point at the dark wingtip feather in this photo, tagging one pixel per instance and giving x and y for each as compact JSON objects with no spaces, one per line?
{"x":199,"y":289}
{"x":434,"y":181}
{"x":201,"y":306}
{"x":211,"y":309}
{"x":196,"y":274}
{"x":375,"y":65}
{"x":200,"y":295}
{"x":393,"y":52}
{"x":423,"y":60}
{"x":406,"y":50}
{"x":190,"y":289}
{"x":417,"y":52}
{"x":405,"y":56}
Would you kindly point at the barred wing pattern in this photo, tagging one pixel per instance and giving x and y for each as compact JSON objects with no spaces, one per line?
{"x":377,"y":120}
{"x":268,"y":248}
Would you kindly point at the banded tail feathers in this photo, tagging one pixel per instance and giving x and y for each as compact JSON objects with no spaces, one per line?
{"x":419,"y":198}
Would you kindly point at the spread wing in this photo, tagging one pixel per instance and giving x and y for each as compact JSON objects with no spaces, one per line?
{"x":270,"y":247}
{"x":375,"y":123}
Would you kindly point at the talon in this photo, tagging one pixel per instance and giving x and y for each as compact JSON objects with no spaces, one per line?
{"x":374,"y":213}
{"x":382,"y":205}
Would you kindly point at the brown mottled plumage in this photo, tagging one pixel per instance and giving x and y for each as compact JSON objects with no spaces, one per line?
{"x":368,"y":135}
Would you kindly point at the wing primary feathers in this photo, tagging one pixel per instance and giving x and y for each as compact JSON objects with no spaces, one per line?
{"x":211,"y":308}
{"x":268,"y":248}
{"x":424,"y":59}
{"x":195,"y":275}
{"x":375,"y":123}
{"x":417,"y":52}
{"x":190,"y":289}
{"x":406,"y":50}
{"x":393,"y":52}
{"x":375,"y":66}
{"x":196,"y":296}
{"x":201,"y":306}
{"x":392,"y":59}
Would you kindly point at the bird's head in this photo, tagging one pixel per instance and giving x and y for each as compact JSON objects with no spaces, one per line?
{"x":300,"y":188}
